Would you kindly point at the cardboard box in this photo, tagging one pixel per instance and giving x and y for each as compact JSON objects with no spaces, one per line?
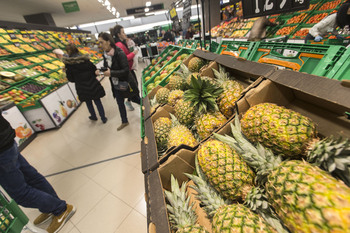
{"x":160,"y":180}
{"x":323,"y":100}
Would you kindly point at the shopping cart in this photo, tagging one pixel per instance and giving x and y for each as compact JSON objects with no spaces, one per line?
{"x":12,"y":218}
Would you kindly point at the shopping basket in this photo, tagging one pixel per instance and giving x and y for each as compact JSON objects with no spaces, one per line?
{"x":12,"y":218}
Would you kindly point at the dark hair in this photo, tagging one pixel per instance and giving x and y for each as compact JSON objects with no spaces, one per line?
{"x":72,"y":50}
{"x":107,"y":37}
{"x":115,"y":31}
{"x":343,"y":18}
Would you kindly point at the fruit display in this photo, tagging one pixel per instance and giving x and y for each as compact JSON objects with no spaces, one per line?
{"x":25,"y":39}
{"x":2,"y":40}
{"x":40,"y":69}
{"x":13,"y":49}
{"x":285,"y":30}
{"x":23,"y":62}
{"x":46,"y":81}
{"x":38,"y":47}
{"x":239,"y":33}
{"x":27,"y":72}
{"x":45,"y":57}
{"x":5,"y":64}
{"x":302,"y":32}
{"x":2,"y":30}
{"x":27,"y":48}
{"x":3,"y":86}
{"x":195,"y":64}
{"x":58,"y":63}
{"x":50,"y":66}
{"x":15,"y":95}
{"x":3,"y":52}
{"x":45,"y":45}
{"x":35,"y":59}
{"x":317,"y":18}
{"x":31,"y":88}
{"x":330,"y":5}
{"x":297,"y":18}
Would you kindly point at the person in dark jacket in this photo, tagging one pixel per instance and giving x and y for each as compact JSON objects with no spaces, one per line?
{"x":258,"y":31}
{"x":82,"y":72}
{"x":26,"y":185}
{"x":118,"y":70}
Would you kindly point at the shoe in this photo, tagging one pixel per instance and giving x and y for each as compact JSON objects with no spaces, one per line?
{"x":104,"y":120}
{"x":43,"y":218}
{"x":122,"y":126}
{"x":59,"y":221}
{"x":129,"y":106}
{"x":93,"y":118}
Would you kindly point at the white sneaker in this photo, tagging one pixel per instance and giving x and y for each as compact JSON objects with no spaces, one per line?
{"x":129,"y":106}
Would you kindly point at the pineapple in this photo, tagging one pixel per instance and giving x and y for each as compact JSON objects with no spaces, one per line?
{"x":226,"y":217}
{"x":225,"y":170}
{"x":195,"y":64}
{"x":184,"y":112}
{"x":154,"y":105}
{"x":180,"y":134}
{"x":280,"y":129}
{"x":162,"y":95}
{"x":203,"y":96}
{"x":174,"y":97}
{"x":181,"y":213}
{"x":176,"y":82}
{"x":189,"y":77}
{"x":306,"y":198}
{"x":162,"y":127}
{"x":232,"y":90}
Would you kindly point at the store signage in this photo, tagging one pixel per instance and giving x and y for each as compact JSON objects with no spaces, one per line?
{"x":12,"y":35}
{"x":35,"y":43}
{"x":141,"y":10}
{"x":255,"y":8}
{"x":186,"y":15}
{"x":70,"y":6}
{"x":17,"y":44}
{"x":24,"y":34}
{"x":31,"y":36}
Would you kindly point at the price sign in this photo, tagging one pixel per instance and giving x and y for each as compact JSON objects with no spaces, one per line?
{"x":35,"y":43}
{"x":17,"y":44}
{"x":31,"y":36}
{"x":46,"y":36}
{"x":12,"y":36}
{"x":255,"y":8}
{"x":186,"y":15}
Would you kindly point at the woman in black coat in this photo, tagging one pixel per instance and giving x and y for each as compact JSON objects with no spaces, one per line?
{"x":117,"y":68}
{"x":82,"y":72}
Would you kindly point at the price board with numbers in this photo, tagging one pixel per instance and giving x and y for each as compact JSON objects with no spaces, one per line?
{"x":255,"y":8}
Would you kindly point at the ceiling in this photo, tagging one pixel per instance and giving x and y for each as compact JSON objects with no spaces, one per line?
{"x":90,"y":10}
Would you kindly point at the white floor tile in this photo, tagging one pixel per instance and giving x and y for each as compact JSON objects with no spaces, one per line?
{"x":134,"y":223}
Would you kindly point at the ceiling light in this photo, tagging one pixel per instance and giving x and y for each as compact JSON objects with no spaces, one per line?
{"x":118,"y":14}
{"x":147,"y":9}
{"x":113,"y":9}
{"x":107,"y":3}
{"x":150,"y":13}
{"x":225,"y":1}
{"x":109,"y":8}
{"x":148,"y":3}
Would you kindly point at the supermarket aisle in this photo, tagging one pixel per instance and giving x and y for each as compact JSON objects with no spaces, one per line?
{"x":109,"y":192}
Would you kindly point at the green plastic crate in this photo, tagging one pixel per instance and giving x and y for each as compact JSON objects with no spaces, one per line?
{"x":242,"y":48}
{"x":312,"y":59}
{"x":341,"y":70}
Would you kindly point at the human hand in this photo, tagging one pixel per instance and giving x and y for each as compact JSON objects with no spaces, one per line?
{"x":318,"y":38}
{"x":107,"y":72}
{"x":97,"y":72}
{"x":339,"y":37}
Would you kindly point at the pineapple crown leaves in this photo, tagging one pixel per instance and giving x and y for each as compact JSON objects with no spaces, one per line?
{"x":174,"y":121}
{"x":332,"y":155}
{"x":181,"y":212}
{"x":153,"y":101}
{"x":209,"y":197}
{"x":257,"y":201}
{"x":202,"y":95}
{"x":261,"y":159}
{"x":221,"y":75}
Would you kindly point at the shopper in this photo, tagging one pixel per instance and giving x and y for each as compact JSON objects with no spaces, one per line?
{"x":120,"y":38}
{"x":330,"y":23}
{"x":168,"y":36}
{"x":118,"y":70}
{"x":82,"y":72}
{"x":26,"y":185}
{"x":258,"y":30}
{"x":189,"y":32}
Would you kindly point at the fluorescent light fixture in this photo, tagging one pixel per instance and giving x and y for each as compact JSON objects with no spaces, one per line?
{"x":128,"y":18}
{"x":113,"y":9}
{"x":225,"y":1}
{"x":148,"y":3}
{"x":160,"y":12}
{"x":145,"y":27}
{"x":100,"y":1}
{"x":118,"y":14}
{"x":109,"y":8}
{"x":107,"y":3}
{"x":86,"y":25}
{"x":106,"y":21}
{"x":150,"y":13}
{"x":146,"y":9}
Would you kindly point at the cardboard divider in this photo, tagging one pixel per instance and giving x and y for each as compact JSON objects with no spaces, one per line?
{"x":181,"y":162}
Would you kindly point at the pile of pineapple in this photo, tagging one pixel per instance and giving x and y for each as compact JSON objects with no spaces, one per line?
{"x":200,"y":104}
{"x":271,"y":175}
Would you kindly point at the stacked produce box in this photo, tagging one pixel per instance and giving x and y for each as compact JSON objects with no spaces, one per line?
{"x":272,"y":166}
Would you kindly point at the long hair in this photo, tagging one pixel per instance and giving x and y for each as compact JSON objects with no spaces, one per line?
{"x":72,"y":50}
{"x":343,"y":18}
{"x":115,"y":31}
{"x":107,"y":37}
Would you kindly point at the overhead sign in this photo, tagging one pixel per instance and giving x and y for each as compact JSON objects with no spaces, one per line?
{"x":255,"y":8}
{"x":186,"y":15}
{"x":70,"y":6}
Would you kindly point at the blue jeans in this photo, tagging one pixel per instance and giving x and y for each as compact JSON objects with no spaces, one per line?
{"x":121,"y":105}
{"x":26,"y":185}
{"x":99,"y":106}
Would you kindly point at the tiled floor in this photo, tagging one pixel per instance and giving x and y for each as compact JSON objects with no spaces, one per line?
{"x":109,"y":195}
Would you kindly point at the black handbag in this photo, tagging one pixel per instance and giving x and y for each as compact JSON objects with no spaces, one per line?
{"x":126,"y":88}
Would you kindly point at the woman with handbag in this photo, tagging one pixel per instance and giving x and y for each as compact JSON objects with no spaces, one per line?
{"x":121,"y":40}
{"x":82,"y":72}
{"x":122,"y":81}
